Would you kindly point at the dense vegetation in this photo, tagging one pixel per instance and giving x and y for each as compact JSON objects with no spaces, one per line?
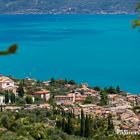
{"x":43,"y":124}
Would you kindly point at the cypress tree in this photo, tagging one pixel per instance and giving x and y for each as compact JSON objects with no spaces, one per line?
{"x":73,"y":115}
{"x":70,"y":126}
{"x":118,"y":90}
{"x":58,"y":124}
{"x":110,"y":127}
{"x":14,"y":98}
{"x":1,"y":108}
{"x":6,"y":98}
{"x":20,"y":91}
{"x":66,"y":127}
{"x":11,"y":98}
{"x":52,"y":82}
{"x":87,"y":126}
{"x":63,"y":112}
{"x":91,"y":126}
{"x":82,"y":130}
{"x":63,"y":124}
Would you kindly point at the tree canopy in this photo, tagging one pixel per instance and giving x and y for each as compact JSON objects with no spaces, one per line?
{"x":136,"y":23}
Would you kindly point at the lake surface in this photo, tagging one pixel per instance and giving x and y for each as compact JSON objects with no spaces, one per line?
{"x":102,"y":50}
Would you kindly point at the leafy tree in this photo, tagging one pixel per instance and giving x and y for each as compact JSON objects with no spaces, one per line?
{"x":52,"y":81}
{"x":29,"y":99}
{"x":97,"y":88}
{"x":72,"y":82}
{"x":5,"y":121}
{"x":38,"y":131}
{"x":136,"y":23}
{"x":89,"y":100}
{"x":111,"y":90}
{"x":20,"y":101}
{"x":103,"y":98}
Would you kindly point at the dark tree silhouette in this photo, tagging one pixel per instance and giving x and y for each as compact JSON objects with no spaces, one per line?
{"x":11,"y":50}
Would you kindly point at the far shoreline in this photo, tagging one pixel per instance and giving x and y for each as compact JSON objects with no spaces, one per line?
{"x":135,"y":14}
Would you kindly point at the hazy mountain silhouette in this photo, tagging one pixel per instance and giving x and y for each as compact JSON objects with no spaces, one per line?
{"x":68,"y":6}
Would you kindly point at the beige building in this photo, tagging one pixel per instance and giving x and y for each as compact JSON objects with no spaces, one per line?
{"x":44,"y":94}
{"x":7,"y":84}
{"x":62,"y":99}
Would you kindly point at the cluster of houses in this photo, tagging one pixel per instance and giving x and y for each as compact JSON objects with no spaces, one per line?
{"x":124,"y":118}
{"x":8,"y":85}
{"x":77,"y":96}
{"x":119,"y":106}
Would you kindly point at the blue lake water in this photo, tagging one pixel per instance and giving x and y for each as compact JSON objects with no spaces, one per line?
{"x":101,"y":50}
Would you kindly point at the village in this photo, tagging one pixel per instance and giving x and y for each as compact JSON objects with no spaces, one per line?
{"x":72,"y":97}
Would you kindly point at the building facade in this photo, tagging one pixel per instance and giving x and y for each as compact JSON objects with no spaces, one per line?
{"x":7,"y":84}
{"x":43,"y":94}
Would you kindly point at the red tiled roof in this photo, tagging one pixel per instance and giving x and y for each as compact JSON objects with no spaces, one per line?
{"x":124,"y":127}
{"x":42,"y":92}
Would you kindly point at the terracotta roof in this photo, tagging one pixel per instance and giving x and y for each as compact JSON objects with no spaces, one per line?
{"x":3,"y":78}
{"x":124,"y":127}
{"x":42,"y":92}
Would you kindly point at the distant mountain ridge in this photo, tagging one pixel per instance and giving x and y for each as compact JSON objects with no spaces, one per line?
{"x":67,"y":6}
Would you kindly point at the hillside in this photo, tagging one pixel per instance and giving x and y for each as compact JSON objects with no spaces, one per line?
{"x":67,"y":6}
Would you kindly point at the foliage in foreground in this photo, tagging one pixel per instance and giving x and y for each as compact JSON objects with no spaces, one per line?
{"x":11,"y":50}
{"x":40,"y":125}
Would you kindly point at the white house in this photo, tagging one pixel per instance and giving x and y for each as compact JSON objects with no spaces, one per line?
{"x":2,"y":100}
{"x":7,"y":84}
{"x":44,"y":94}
